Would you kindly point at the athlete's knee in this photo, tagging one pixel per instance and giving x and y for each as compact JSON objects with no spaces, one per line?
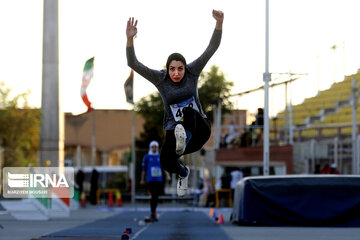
{"x":204,"y":130}
{"x":207,"y":133}
{"x":204,"y":136}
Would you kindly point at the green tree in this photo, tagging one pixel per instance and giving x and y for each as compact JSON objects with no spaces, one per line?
{"x":213,"y":86}
{"x":151,"y":108}
{"x":19,"y":129}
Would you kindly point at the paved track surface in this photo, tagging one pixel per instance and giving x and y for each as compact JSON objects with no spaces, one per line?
{"x":174,"y":223}
{"x":184,"y":225}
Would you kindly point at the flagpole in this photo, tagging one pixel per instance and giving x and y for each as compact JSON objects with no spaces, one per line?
{"x":93,"y":138}
{"x":133,"y":157}
{"x":129,"y":92}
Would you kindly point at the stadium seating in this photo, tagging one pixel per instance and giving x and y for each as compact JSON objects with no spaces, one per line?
{"x":329,"y":108}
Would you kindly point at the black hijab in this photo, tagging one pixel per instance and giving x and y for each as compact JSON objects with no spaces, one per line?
{"x":176,"y":57}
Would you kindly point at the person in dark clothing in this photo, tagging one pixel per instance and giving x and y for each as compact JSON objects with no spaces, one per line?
{"x":187,"y":127}
{"x":80,"y":177}
{"x":94,"y":186}
{"x":225,"y":180}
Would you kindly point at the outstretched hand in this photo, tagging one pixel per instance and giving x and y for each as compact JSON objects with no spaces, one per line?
{"x":131,"y":29}
{"x":218,"y":15}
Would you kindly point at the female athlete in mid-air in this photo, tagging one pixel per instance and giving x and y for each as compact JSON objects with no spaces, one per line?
{"x":187,"y":127}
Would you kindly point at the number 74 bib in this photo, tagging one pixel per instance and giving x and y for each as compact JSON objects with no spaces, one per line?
{"x":177,"y":108}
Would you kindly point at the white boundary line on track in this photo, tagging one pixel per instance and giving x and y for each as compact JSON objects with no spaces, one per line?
{"x":140,"y":231}
{"x":143,"y":229}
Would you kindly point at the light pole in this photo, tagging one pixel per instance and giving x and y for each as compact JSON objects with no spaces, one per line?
{"x":267,"y":79}
{"x":334,"y":48}
{"x":51,"y":135}
{"x":355,"y":150}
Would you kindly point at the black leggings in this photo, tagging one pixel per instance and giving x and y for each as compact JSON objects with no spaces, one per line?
{"x":156,"y":189}
{"x":200,"y":130}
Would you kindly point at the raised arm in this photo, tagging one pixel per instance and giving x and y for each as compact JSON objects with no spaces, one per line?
{"x":131,"y":31}
{"x":197,"y":66}
{"x":219,"y":17}
{"x":153,"y":76}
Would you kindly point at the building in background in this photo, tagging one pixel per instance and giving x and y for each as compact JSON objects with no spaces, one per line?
{"x":112,"y":133}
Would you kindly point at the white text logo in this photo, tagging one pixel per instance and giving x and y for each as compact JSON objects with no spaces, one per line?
{"x":36,"y":180}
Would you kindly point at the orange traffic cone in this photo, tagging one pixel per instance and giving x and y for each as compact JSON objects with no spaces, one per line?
{"x":82,"y":199}
{"x":119,"y":202}
{"x":221,"y":219}
{"x":211,"y":213}
{"x":111,"y":201}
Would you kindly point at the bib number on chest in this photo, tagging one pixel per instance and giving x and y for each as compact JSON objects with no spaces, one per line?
{"x":177,"y":108}
{"x":155,"y":172}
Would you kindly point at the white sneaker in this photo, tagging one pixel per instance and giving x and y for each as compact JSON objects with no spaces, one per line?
{"x":180,"y":136}
{"x":182,"y":184}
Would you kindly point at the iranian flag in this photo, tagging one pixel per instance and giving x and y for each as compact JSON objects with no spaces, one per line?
{"x":87,"y":76}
